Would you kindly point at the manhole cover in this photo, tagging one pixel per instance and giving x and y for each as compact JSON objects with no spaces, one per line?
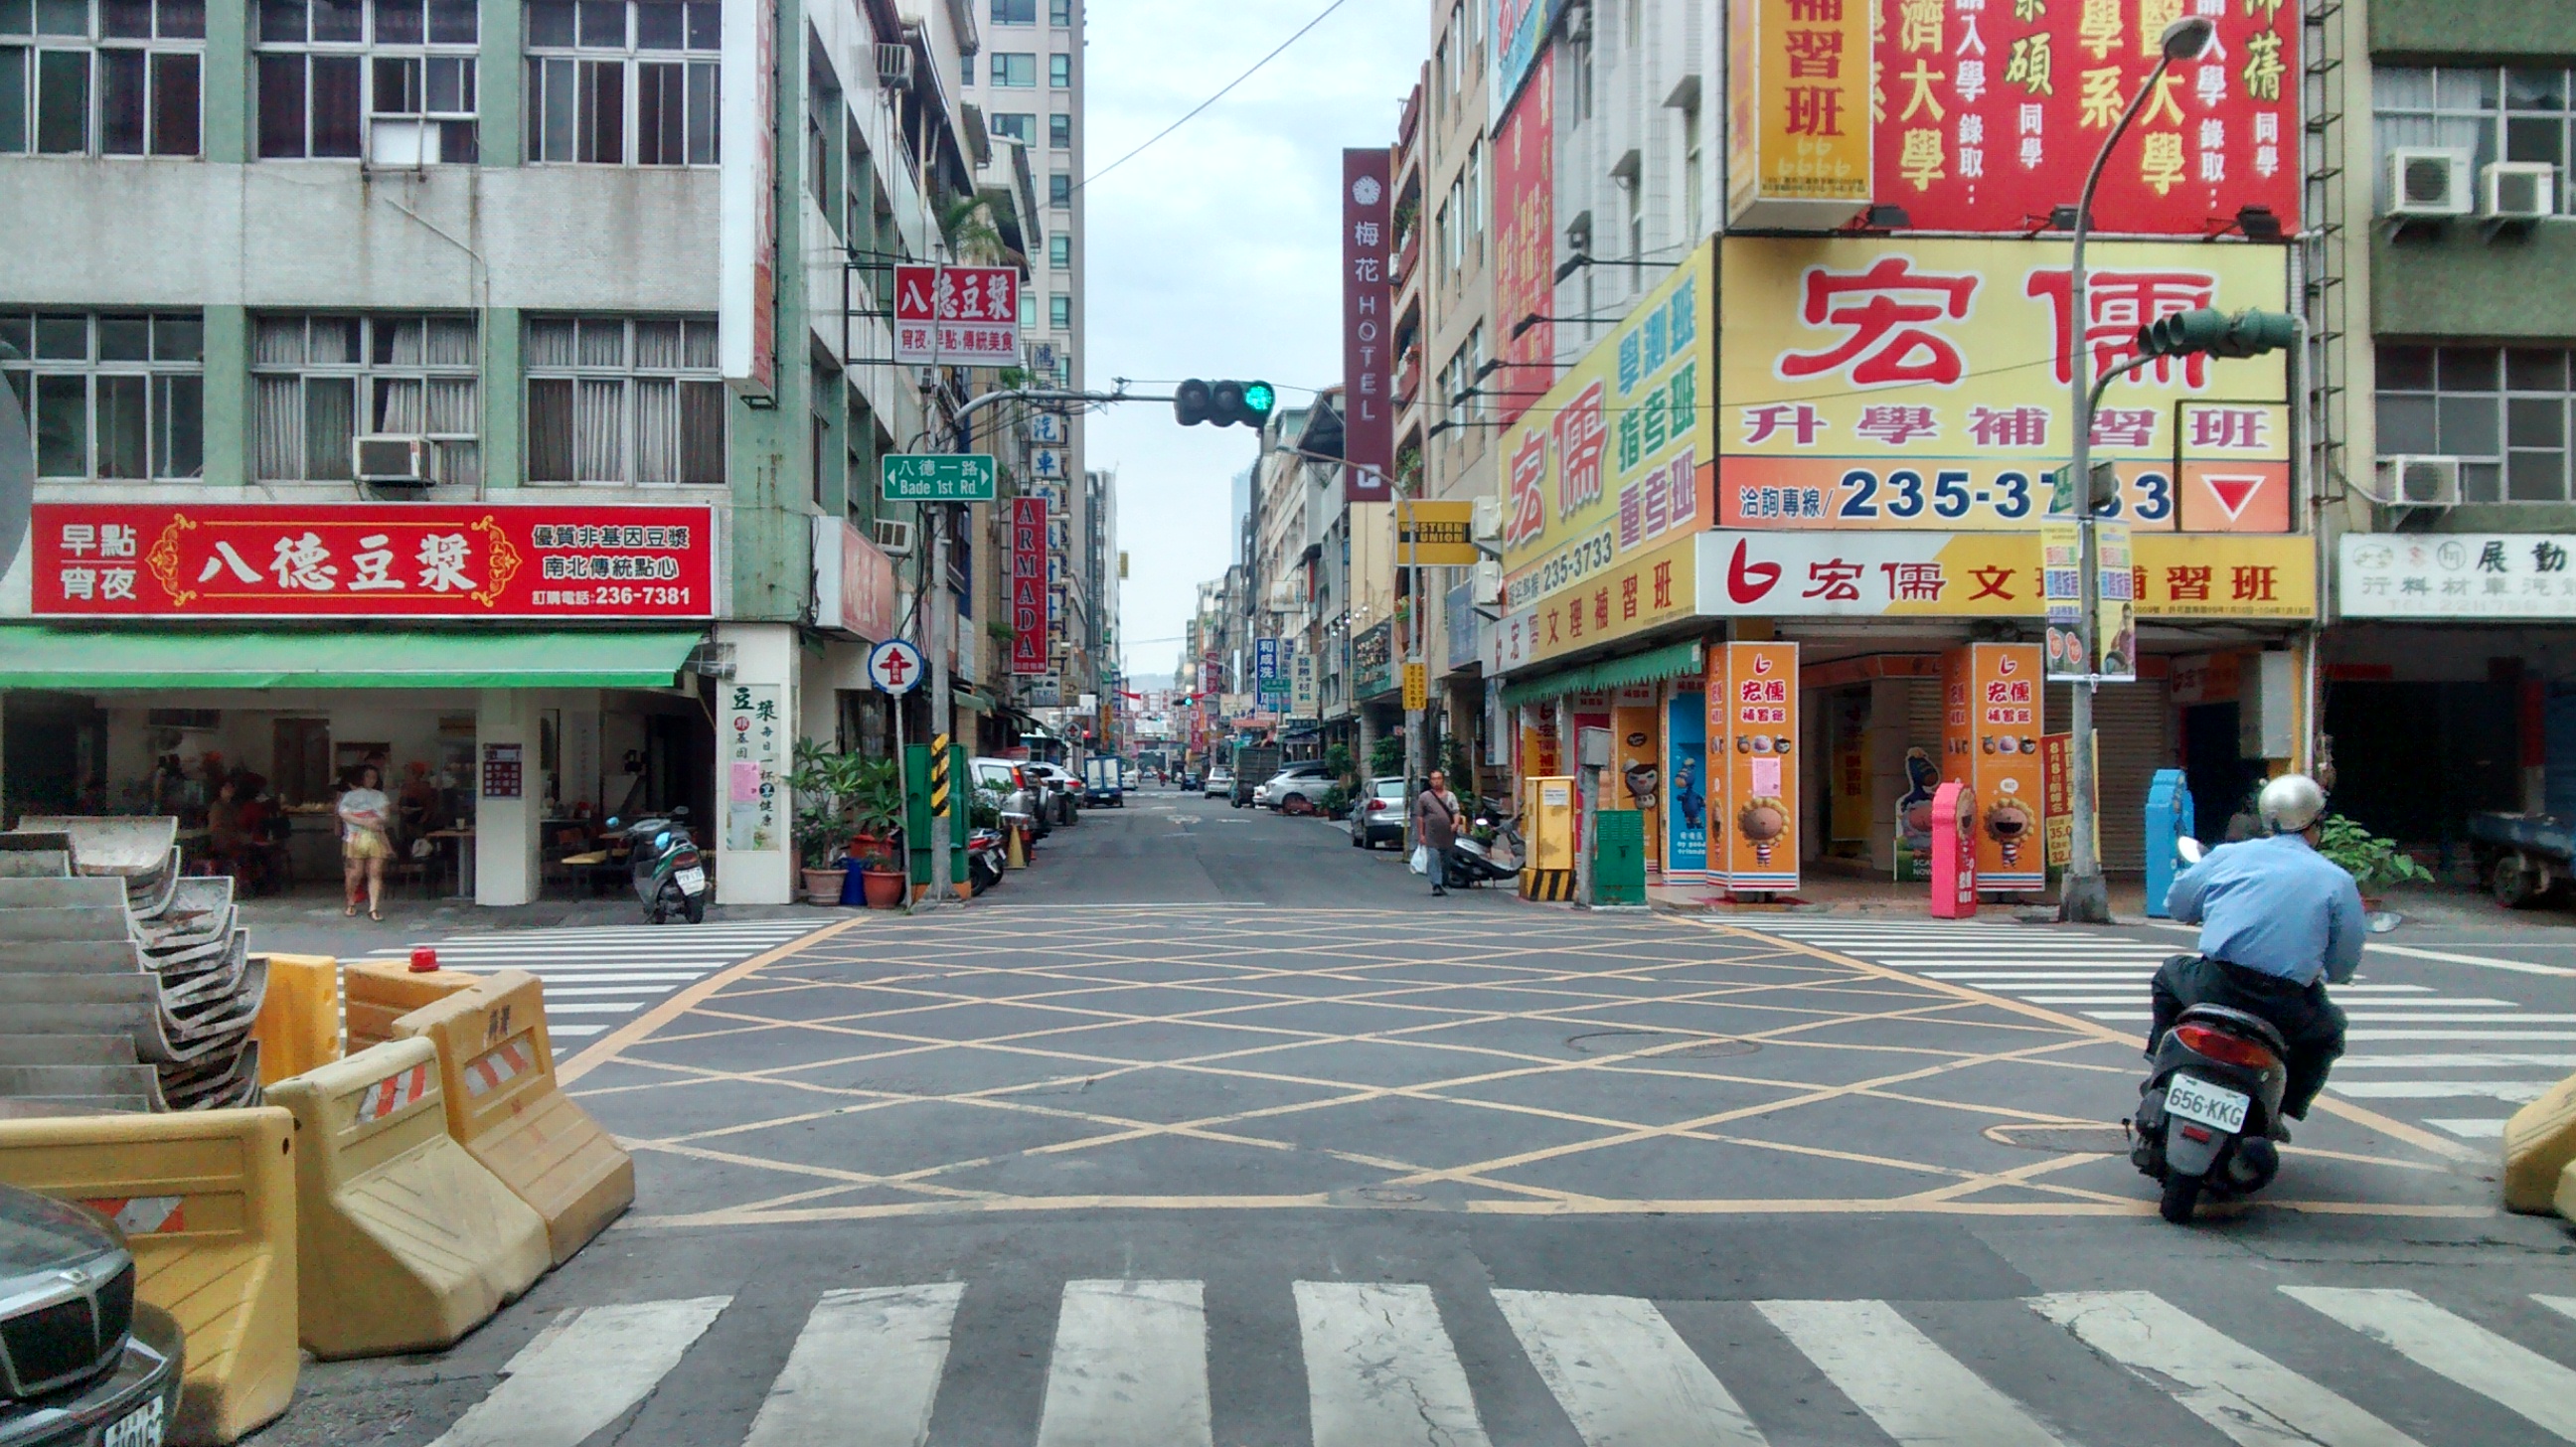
{"x":2107,"y":1138}
{"x":1624,"y":1042}
{"x":1389,"y":1193}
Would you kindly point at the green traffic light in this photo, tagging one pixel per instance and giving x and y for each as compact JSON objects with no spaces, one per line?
{"x":1259,"y":398}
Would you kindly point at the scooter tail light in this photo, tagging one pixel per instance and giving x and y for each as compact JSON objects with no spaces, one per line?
{"x":2224,"y":1048}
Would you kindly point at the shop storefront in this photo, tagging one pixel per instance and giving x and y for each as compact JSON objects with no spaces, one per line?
{"x":517,"y":675}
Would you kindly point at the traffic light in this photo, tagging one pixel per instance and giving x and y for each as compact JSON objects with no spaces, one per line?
{"x":2246,"y":334}
{"x":1223,"y":404}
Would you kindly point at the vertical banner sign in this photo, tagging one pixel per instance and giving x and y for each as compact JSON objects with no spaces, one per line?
{"x":2115,"y":620}
{"x":752,"y":737}
{"x":1525,"y":239}
{"x":1028,"y":585}
{"x":1637,"y":752}
{"x":1798,"y":148}
{"x":1753,"y":774}
{"x":2057,"y":795}
{"x":1990,"y":741}
{"x":2061,"y":574}
{"x":964,"y":316}
{"x":1301,"y":685}
{"x":1368,"y":300}
{"x":747,"y":200}
{"x":1992,"y":112}
{"x":1685,"y":789}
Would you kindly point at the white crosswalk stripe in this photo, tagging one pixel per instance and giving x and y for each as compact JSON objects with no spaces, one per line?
{"x":1130,"y":1363}
{"x":2255,"y":1400}
{"x":2103,"y":978}
{"x":1917,"y":1393}
{"x":599,"y":973}
{"x":2455,"y":1347}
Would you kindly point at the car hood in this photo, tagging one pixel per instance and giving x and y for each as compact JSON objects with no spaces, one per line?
{"x":39,"y":1237}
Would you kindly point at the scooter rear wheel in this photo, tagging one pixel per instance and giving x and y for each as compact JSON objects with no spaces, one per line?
{"x":2181,"y":1194}
{"x":695,"y":909}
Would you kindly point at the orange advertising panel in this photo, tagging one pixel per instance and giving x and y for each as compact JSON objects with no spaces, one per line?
{"x":1799,"y":126}
{"x":1637,"y":752}
{"x":1753,"y":776}
{"x":1991,"y":719}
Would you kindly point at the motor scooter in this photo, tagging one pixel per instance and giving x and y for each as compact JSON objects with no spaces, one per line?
{"x":985,"y":859}
{"x":2211,"y":1098}
{"x":669,"y":875}
{"x":1473,"y":861}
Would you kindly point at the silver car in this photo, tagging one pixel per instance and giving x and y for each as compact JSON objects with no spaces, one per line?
{"x":1295,"y":788}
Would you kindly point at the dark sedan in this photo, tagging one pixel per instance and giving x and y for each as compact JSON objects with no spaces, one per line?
{"x":82,"y":1363}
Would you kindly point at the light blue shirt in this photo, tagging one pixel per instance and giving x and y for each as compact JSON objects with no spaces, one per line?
{"x":2274,"y":905}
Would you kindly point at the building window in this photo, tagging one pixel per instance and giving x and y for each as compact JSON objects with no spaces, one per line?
{"x":1019,"y":126}
{"x":318,"y":383}
{"x":393,"y":81}
{"x":1060,"y":251}
{"x":1015,"y":70}
{"x":110,"y":396}
{"x":1060,"y":131}
{"x":616,"y":399}
{"x":966,"y":69}
{"x":1060,"y":188}
{"x":121,"y":78}
{"x":1028,"y":310}
{"x":623,"y":82}
{"x":1060,"y":312}
{"x":1060,"y":71}
{"x":2495,"y":113}
{"x":1060,"y":14}
{"x":1015,"y":12}
{"x":2503,"y":411}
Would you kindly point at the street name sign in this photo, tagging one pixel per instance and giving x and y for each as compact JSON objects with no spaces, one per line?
{"x":938,"y":477}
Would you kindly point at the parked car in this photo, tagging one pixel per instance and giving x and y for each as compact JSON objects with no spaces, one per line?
{"x":1063,"y":790}
{"x":1220,"y":782}
{"x":1014,"y":780}
{"x":1377,"y":815}
{"x":1104,"y":782}
{"x":1296,"y":788}
{"x":85,"y":1363}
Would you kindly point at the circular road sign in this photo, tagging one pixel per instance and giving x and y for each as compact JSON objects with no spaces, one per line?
{"x":895,"y":666}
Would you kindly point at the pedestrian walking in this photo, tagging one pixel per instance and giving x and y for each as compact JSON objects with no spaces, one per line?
{"x":364,"y":846}
{"x":1435,"y":827}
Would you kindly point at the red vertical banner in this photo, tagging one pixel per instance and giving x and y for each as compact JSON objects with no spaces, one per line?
{"x":1525,"y":239}
{"x":1028,"y":585}
{"x":1368,"y":304}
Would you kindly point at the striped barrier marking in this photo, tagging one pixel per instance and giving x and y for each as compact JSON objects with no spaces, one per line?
{"x":143,"y":1215}
{"x":402,"y":1088}
{"x":495,"y":1068}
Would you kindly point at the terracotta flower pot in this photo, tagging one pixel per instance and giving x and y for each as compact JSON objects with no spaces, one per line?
{"x":822,"y":886}
{"x":884,"y":887}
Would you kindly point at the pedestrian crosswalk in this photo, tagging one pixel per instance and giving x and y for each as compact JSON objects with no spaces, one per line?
{"x":2469,"y":1059}
{"x":1130,"y":1361}
{"x":596,"y":975}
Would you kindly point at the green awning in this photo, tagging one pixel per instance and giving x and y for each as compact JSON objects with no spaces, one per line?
{"x":1673,"y":660}
{"x":33,"y":655}
{"x":974,"y":700}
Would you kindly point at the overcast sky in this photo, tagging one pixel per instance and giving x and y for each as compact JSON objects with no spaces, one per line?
{"x":1215,"y":254}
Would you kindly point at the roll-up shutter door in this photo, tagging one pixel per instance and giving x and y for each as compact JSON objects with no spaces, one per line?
{"x":2134,"y":723}
{"x":1923,"y":715}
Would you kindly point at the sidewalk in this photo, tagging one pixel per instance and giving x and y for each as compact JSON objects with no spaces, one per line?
{"x":309,"y":922}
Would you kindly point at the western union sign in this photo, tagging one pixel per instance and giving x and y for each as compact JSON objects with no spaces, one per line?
{"x":1435,"y":534}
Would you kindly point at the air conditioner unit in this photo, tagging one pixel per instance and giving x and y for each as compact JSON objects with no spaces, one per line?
{"x":894,"y":67}
{"x":2420,"y":481}
{"x":1489,"y":581}
{"x":894,"y":537}
{"x":2426,"y":182}
{"x":1488,"y":520}
{"x":402,"y":141}
{"x":2517,"y":190}
{"x":395,"y":458}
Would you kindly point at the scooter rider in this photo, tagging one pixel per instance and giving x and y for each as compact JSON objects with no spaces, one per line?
{"x":2277,"y":921}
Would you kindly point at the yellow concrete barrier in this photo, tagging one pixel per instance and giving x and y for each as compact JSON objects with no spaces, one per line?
{"x":498,"y":1069}
{"x":2539,"y":1142}
{"x":406,"y":1243}
{"x":379,"y":992}
{"x":299,"y":1019}
{"x":207,"y":1200}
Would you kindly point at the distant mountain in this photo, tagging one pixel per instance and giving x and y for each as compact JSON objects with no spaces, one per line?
{"x":1148,"y":682}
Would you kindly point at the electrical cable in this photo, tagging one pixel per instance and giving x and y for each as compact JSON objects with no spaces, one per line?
{"x":1212,"y":100}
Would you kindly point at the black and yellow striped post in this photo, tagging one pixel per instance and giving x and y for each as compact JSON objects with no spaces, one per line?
{"x":939,"y":777}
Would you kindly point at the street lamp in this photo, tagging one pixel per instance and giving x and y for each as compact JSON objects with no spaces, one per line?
{"x":2083,"y":899}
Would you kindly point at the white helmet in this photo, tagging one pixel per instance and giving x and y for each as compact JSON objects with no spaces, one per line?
{"x":2290,"y":803}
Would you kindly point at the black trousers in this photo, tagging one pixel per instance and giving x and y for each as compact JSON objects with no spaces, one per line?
{"x":2310,"y":1024}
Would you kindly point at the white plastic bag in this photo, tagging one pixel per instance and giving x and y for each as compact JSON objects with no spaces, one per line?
{"x":1421,"y":861}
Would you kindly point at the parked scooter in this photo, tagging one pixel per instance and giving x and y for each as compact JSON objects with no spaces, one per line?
{"x":984,"y":859}
{"x":2212,"y":1095}
{"x":1473,"y":861}
{"x":669,"y":875}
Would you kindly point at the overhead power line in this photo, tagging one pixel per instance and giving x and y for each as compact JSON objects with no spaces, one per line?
{"x":1212,"y":100}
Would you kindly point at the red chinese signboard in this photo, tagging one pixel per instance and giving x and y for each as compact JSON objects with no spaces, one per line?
{"x":1368,"y":426}
{"x":372,"y":560}
{"x":1525,"y":240}
{"x":965,"y":316}
{"x":1991,"y":111}
{"x":1028,"y":585}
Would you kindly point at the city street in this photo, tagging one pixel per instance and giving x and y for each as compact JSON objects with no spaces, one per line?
{"x":1214,"y":1129}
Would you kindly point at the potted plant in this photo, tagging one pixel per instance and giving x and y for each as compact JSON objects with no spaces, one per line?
{"x":873,"y":791}
{"x":819,"y":834}
{"x":2374,"y":863}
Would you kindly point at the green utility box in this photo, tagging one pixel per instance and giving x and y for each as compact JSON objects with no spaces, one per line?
{"x":1619,"y":857}
{"x":920,"y":827}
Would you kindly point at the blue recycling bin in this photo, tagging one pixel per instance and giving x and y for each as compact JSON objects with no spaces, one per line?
{"x":2169,"y":818}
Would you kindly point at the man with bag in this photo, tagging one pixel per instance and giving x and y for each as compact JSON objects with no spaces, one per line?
{"x":1435,"y":825}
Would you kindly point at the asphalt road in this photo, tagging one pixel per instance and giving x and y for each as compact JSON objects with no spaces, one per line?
{"x":1213,"y":1129}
